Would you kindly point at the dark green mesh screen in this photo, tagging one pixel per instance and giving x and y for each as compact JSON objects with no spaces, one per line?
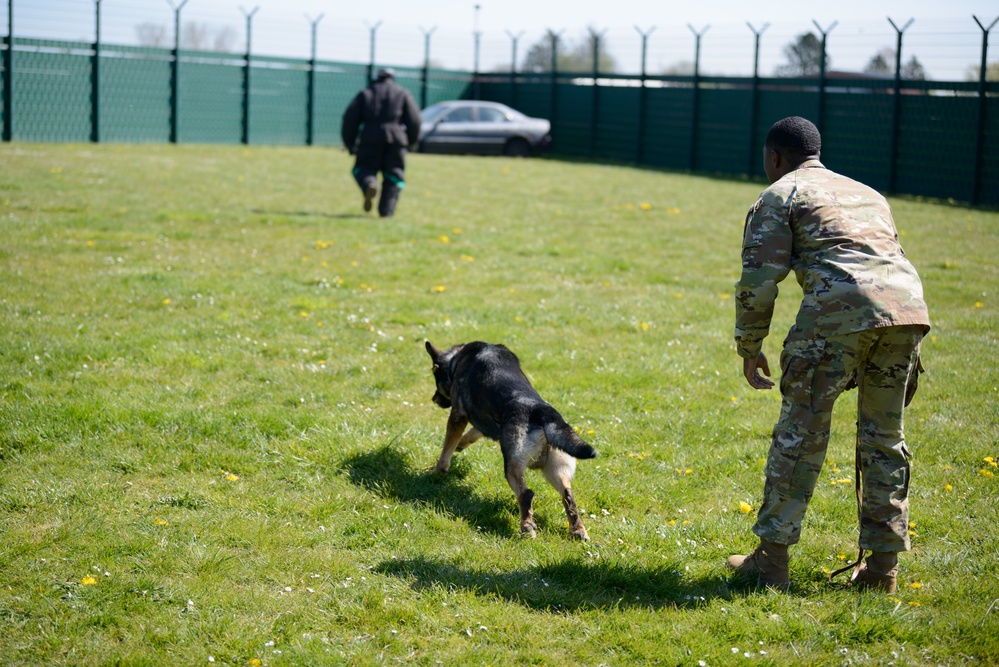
{"x":135,"y":94}
{"x":936,"y":124}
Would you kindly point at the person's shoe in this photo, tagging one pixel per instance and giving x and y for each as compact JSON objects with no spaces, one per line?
{"x":370,"y":191}
{"x":768,"y":563}
{"x":879,"y":572}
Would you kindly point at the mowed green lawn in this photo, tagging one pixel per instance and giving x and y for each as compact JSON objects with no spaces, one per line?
{"x":216,"y":430}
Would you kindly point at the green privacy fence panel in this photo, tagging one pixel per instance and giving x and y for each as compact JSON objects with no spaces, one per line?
{"x":990,"y":160}
{"x":936,"y":152}
{"x":51,"y":84}
{"x":211,"y":99}
{"x":135,"y":94}
{"x":936,"y":123}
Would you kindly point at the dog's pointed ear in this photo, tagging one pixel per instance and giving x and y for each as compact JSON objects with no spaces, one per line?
{"x":433,"y":351}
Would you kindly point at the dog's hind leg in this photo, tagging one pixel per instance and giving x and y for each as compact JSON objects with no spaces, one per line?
{"x":471,"y":436}
{"x":452,"y":437}
{"x":525,"y":498}
{"x":558,"y":470}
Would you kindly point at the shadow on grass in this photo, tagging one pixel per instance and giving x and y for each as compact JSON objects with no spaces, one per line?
{"x":567,"y":585}
{"x":312,"y":214}
{"x":387,"y":471}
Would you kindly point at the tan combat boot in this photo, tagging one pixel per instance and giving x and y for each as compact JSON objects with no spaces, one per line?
{"x":879,"y":572}
{"x":768,"y":562}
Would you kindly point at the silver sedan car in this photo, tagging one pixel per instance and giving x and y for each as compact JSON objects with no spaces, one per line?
{"x":483,"y":128}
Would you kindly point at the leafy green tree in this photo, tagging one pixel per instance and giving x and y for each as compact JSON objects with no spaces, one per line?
{"x":804,"y":56}
{"x":883,"y":63}
{"x":572,"y":56}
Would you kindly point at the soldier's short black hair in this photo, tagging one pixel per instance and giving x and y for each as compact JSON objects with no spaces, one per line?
{"x":795,"y":135}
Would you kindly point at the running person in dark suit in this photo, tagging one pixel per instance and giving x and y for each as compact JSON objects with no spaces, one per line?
{"x":378,"y":126}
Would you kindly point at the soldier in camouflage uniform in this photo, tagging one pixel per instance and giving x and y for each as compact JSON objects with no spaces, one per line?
{"x":862,"y":318}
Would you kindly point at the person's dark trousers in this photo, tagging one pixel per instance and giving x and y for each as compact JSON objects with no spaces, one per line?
{"x":390,"y":159}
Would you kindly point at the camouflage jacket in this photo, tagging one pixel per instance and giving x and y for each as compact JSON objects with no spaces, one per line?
{"x":839,"y":238}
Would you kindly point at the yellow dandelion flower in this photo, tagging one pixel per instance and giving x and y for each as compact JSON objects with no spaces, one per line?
{"x":255,"y":662}
{"x":912,"y":524}
{"x":456,"y":230}
{"x":826,"y":570}
{"x":231,"y":477}
{"x":166,"y":302}
{"x":672,"y":522}
{"x":686,"y":522}
{"x":518,"y":319}
{"x":241,"y":178}
{"x":305,"y":258}
{"x":989,"y":459}
{"x":645,"y":326}
{"x":687,"y":471}
{"x":985,"y":473}
{"x":916,"y":584}
{"x":678,"y":295}
{"x":979,"y":304}
{"x":590,"y":432}
{"x":443,"y":238}
{"x":353,"y":263}
{"x":913,"y":533}
{"x":161,"y":522}
{"x":439,"y":288}
{"x":734,"y":399}
{"x":645,"y":206}
{"x":745,"y":507}
{"x":90,"y":244}
{"x":319,"y":324}
{"x":724,"y":295}
{"x":840,"y":556}
{"x":948,"y":487}
{"x":304,"y":314}
{"x":915,"y":604}
{"x":88,"y":581}
{"x":468,"y":258}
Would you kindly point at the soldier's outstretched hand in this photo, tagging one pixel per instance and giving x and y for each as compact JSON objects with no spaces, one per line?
{"x":751,"y":369}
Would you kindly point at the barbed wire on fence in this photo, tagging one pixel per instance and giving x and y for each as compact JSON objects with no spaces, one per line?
{"x":947,"y":49}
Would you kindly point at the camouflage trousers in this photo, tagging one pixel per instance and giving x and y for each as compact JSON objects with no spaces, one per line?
{"x":813,"y":374}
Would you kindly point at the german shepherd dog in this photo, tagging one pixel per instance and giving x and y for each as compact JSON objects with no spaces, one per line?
{"x":484,"y":384}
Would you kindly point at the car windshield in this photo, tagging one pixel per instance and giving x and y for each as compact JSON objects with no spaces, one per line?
{"x":433,"y":112}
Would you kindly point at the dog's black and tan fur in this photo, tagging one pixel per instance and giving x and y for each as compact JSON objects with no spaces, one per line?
{"x":484,"y":385}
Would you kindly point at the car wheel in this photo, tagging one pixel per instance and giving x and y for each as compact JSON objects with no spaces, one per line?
{"x":517,"y":147}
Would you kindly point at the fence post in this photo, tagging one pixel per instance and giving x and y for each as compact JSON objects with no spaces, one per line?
{"x":513,"y":67}
{"x":426,"y":66}
{"x":95,"y":80}
{"x":642,"y":111}
{"x":372,"y":29}
{"x":554,"y":92}
{"x":896,"y":108}
{"x":754,"y":106}
{"x":175,"y":73}
{"x":595,"y":114}
{"x":980,"y":133}
{"x":695,"y":103}
{"x":311,"y":100}
{"x":822,"y":74}
{"x":477,"y":38}
{"x":8,"y":79}
{"x":246,"y":74}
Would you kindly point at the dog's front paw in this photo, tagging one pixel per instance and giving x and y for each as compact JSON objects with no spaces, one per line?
{"x":580,"y":534}
{"x":528,"y":530}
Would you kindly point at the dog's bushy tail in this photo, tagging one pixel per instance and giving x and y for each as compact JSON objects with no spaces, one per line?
{"x":562,"y":436}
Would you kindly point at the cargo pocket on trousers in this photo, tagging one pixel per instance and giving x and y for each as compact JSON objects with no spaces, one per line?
{"x":798,"y":361}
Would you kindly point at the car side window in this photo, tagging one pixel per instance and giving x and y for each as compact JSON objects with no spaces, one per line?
{"x":460,"y":115}
{"x":490,"y":115}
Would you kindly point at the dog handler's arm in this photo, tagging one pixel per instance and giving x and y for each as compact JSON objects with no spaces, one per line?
{"x":766,"y":260}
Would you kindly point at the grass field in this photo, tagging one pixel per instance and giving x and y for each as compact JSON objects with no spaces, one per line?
{"x":216,"y":432}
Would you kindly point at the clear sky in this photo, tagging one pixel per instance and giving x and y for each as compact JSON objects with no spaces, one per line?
{"x":943,"y":36}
